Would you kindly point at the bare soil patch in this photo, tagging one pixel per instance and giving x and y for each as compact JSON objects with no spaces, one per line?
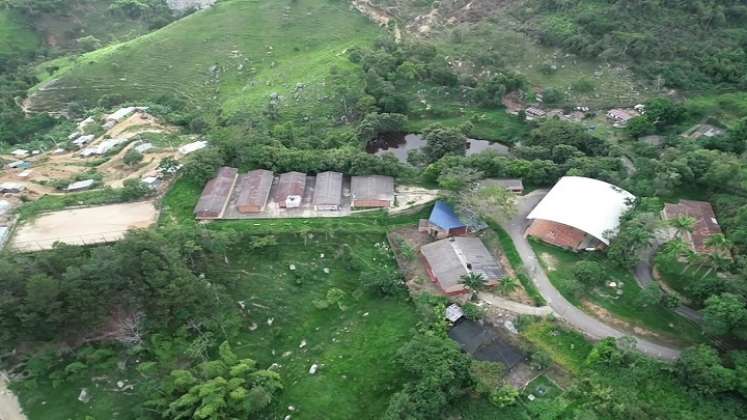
{"x":549,"y":261}
{"x":84,"y":225}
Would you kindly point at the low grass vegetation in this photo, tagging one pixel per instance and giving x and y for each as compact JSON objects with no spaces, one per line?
{"x":16,"y":37}
{"x":620,"y":301}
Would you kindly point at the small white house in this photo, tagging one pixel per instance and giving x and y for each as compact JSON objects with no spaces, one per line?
{"x":193,"y":147}
{"x":20,"y":153}
{"x":83,"y":140}
{"x":80,"y":185}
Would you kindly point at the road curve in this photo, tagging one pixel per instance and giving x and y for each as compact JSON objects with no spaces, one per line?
{"x":580,"y":320}
{"x":643,"y":276}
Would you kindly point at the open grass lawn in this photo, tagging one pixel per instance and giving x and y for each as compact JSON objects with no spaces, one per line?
{"x":16,"y":37}
{"x":567,"y":348}
{"x":353,"y":346}
{"x":229,"y":58}
{"x":559,"y":266}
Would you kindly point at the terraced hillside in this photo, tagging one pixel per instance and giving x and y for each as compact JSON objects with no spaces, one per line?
{"x":229,"y":58}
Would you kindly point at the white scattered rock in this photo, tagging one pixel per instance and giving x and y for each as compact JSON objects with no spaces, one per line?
{"x":84,"y":397}
{"x":270,"y":321}
{"x":531,"y":397}
{"x":313,"y":369}
{"x":302,"y":345}
{"x":292,"y":267}
{"x":287,"y":353}
{"x":326,"y":270}
{"x":366,"y":314}
{"x":253,"y":326}
{"x":612,"y":284}
{"x":288,"y":417}
{"x":510,"y":326}
{"x":120,"y":384}
{"x":291,"y":408}
{"x":321,"y":255}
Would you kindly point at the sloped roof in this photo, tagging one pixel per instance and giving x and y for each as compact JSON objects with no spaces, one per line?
{"x":373,"y":187}
{"x":254,"y":188}
{"x":587,"y":204}
{"x":290,"y":183}
{"x":444,"y":217}
{"x":328,"y":189}
{"x":706,"y":224}
{"x":452,"y":258}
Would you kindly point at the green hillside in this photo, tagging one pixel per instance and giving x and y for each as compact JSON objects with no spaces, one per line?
{"x":230,"y":57}
{"x":16,"y":38}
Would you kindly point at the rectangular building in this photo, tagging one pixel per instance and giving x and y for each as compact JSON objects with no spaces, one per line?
{"x":375,"y":191}
{"x":290,"y":189}
{"x":215,"y":195}
{"x":328,"y":191}
{"x":448,"y":260}
{"x":254,"y":190}
{"x":706,"y":224}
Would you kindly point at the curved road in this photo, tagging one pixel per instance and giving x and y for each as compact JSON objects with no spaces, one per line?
{"x":590,"y":326}
{"x":644,"y":277}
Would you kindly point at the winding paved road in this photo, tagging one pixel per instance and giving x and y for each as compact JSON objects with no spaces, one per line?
{"x":590,"y":326}
{"x":644,"y":277}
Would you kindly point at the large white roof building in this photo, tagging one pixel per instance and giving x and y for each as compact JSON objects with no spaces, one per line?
{"x":588,"y":205}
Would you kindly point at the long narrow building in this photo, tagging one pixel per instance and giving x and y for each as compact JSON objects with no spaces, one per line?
{"x":215,"y":195}
{"x":328,"y":191}
{"x":254,"y":190}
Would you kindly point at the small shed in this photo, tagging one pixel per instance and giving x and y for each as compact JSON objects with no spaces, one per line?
{"x":290,"y":189}
{"x":484,"y":343}
{"x":515,"y":185}
{"x":534,"y":112}
{"x":375,"y":191}
{"x":328,"y":191}
{"x":80,"y":185}
{"x":143,"y":147}
{"x":83,"y":140}
{"x":19,"y":164}
{"x":443,"y":222}
{"x":254,"y":189}
{"x":20,"y":153}
{"x":448,"y":260}
{"x":193,"y":147}
{"x":453,"y":312}
{"x":215,"y":195}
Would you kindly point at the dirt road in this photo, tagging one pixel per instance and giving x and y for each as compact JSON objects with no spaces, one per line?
{"x":10,"y":408}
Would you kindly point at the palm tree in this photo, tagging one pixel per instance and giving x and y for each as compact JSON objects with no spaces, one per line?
{"x":683,"y":225}
{"x":508,"y":285}
{"x":474,"y":282}
{"x":719,"y":243}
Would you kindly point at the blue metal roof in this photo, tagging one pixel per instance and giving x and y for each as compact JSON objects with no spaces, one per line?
{"x":444,"y":217}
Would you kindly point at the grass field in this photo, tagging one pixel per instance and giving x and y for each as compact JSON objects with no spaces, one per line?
{"x":229,"y":58}
{"x":354,"y":346}
{"x":559,"y":266}
{"x":16,"y":37}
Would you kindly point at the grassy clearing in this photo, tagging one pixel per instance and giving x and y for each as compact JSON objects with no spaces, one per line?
{"x":559,"y":266}
{"x":231,"y":57}
{"x":16,"y":37}
{"x":568,"y":349}
{"x":513,"y":257}
{"x":354,"y":346}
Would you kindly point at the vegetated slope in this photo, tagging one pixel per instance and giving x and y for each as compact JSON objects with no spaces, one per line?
{"x":687,"y":45}
{"x":233,"y":55}
{"x":16,"y":37}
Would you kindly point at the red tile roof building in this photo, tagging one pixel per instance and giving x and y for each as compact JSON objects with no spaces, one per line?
{"x":706,"y":224}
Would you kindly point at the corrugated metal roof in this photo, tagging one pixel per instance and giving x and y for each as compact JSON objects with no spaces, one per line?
{"x":452,"y":258}
{"x":444,"y":217}
{"x":216,"y":192}
{"x":587,"y":204}
{"x":372,"y":187}
{"x":290,"y":183}
{"x":328,"y":189}
{"x":706,"y":224}
{"x":254,"y":189}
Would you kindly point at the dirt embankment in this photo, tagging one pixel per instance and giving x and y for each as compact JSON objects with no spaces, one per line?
{"x":10,"y":408}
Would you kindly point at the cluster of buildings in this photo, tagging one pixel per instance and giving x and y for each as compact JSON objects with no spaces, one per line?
{"x":260,"y":193}
{"x":455,"y":254}
{"x":583,"y":214}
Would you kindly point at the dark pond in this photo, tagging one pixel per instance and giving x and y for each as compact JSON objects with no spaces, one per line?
{"x":401,"y":144}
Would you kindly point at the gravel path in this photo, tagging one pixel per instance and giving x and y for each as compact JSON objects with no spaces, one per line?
{"x":583,"y":322}
{"x":10,"y":408}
